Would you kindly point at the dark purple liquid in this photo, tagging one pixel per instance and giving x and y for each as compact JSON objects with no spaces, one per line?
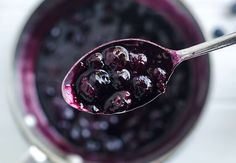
{"x":119,"y":76}
{"x":60,"y":32}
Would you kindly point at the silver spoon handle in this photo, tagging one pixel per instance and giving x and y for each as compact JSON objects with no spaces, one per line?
{"x":207,"y":46}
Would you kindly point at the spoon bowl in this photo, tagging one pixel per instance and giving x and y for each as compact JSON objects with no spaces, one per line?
{"x":151,"y":50}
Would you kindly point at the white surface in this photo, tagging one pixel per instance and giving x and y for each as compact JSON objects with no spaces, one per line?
{"x":214,"y":138}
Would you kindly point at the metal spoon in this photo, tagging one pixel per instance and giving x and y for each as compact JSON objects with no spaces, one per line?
{"x":121,"y":104}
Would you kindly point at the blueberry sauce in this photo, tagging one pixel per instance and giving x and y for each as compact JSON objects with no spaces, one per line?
{"x":119,"y":76}
{"x":60,"y":33}
{"x":116,"y":134}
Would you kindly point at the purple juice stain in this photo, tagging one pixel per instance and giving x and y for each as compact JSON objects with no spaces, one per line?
{"x":137,"y":67}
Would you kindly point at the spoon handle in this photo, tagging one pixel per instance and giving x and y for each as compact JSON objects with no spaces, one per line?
{"x":206,"y":47}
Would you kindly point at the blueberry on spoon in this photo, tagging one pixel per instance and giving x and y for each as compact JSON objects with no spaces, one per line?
{"x":126,"y":74}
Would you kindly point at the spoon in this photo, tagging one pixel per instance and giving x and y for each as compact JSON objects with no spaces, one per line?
{"x":126,"y":74}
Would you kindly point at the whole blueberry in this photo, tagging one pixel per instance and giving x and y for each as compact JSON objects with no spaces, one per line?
{"x":116,"y":57}
{"x":90,"y":84}
{"x":100,"y":78}
{"x":138,"y":62}
{"x":159,"y":74}
{"x":75,"y":133}
{"x":142,"y":86}
{"x":119,"y":101}
{"x":92,"y":145}
{"x":50,"y":91}
{"x":95,"y":61}
{"x":113,"y":144}
{"x":55,"y":32}
{"x":120,"y":79}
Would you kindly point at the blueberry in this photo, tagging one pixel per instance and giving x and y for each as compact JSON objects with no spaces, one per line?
{"x":120,"y":79}
{"x":101,"y":125}
{"x":64,"y":125}
{"x":50,"y":91}
{"x":83,"y":122}
{"x":127,"y":136}
{"x":160,"y":77}
{"x":116,"y":57}
{"x":75,"y":36}
{"x":50,"y":47}
{"x":149,"y":26}
{"x":100,"y":78}
{"x":77,"y":17}
{"x":113,"y":144}
{"x":85,"y":133}
{"x":92,"y":145}
{"x":86,"y":89}
{"x":55,"y":32}
{"x":79,"y":38}
{"x":132,"y":122}
{"x":161,"y":87}
{"x":155,"y":114}
{"x":119,"y":101}
{"x":89,"y":85}
{"x":62,"y":111}
{"x":179,"y":104}
{"x":144,"y":134}
{"x":95,"y":61}
{"x":138,"y":62}
{"x":125,"y":30}
{"x":114,"y":119}
{"x":68,"y":113}
{"x":75,"y":133}
{"x":142,"y":86}
{"x":233,"y":9}
{"x":218,"y":32}
{"x":159,"y":74}
{"x":56,"y":102}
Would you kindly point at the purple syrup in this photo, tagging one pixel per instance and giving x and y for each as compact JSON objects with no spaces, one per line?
{"x":119,"y":76}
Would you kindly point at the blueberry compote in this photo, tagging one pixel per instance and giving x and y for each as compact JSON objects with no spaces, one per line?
{"x":111,"y":138}
{"x":118,"y":76}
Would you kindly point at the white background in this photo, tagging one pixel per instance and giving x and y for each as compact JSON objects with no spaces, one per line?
{"x":214,"y":138}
